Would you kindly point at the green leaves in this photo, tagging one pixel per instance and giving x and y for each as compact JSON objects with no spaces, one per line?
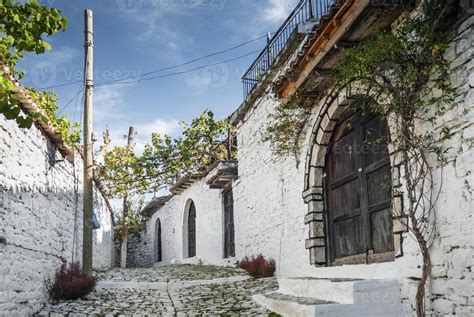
{"x":22,"y":25}
{"x":165,"y":159}
{"x":46,"y":100}
{"x":397,"y":69}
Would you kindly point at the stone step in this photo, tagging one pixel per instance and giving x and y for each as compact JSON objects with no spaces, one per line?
{"x":334,"y":297}
{"x":291,"y":306}
{"x":287,"y":305}
{"x":342,"y":291}
{"x":333,"y":290}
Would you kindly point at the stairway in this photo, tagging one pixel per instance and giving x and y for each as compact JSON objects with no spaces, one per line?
{"x":333,"y":297}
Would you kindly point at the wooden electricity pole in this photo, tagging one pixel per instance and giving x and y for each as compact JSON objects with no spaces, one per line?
{"x":88,"y":159}
{"x":123,"y":253}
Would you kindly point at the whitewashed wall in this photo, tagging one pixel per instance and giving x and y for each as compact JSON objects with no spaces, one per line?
{"x":270,"y":211}
{"x":209,"y":221}
{"x":40,"y":218}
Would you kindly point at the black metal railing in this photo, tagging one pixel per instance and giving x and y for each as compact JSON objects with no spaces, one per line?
{"x":304,"y":11}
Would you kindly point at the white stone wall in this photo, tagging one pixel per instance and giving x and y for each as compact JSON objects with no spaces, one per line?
{"x":40,"y":218}
{"x":269,"y":210}
{"x":139,"y":252}
{"x":209,"y":223}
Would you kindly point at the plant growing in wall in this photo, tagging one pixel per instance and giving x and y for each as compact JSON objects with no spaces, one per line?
{"x":22,"y":27}
{"x":403,"y":76}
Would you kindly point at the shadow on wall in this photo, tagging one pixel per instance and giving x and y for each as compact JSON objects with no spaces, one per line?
{"x":39,"y":230}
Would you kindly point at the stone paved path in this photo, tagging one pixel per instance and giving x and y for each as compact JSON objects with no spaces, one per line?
{"x":175,"y":290}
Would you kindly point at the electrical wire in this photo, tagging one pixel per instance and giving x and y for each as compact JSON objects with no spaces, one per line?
{"x":178,"y":73}
{"x":186,"y":63}
{"x":70,"y":101}
{"x":63,"y":85}
{"x":165,"y":68}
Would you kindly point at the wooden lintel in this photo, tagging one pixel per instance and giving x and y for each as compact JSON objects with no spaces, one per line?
{"x":330,"y":35}
{"x":346,"y":44}
{"x":322,"y":72}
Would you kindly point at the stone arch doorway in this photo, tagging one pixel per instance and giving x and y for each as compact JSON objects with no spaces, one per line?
{"x":358,"y":191}
{"x":189,"y":230}
{"x":329,"y":216}
{"x":158,"y":249}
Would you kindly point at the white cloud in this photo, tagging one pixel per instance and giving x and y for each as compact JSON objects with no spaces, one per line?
{"x":144,"y":131}
{"x":278,"y":10}
{"x":107,"y":103}
{"x":155,"y":21}
{"x":260,"y":17}
{"x":160,"y":126}
{"x":61,"y":55}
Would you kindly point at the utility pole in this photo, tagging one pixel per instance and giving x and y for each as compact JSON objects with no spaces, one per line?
{"x":88,"y":159}
{"x":123,"y":253}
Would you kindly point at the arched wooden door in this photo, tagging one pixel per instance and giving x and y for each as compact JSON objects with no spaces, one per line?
{"x":229,"y":241}
{"x":158,"y":251}
{"x":358,"y":191}
{"x":192,"y":231}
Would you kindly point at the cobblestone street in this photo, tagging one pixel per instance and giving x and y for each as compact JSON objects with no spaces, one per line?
{"x":175,"y":290}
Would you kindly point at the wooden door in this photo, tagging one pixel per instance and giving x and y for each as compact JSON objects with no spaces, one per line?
{"x":192,"y":231}
{"x":159,"y":256}
{"x":358,"y":191}
{"x":229,"y":244}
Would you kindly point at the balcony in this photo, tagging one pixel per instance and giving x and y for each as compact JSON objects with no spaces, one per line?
{"x":306,"y":10}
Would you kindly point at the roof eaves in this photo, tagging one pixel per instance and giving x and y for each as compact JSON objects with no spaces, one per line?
{"x":27,"y":104}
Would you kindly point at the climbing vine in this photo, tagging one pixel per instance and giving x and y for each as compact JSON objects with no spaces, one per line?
{"x":22,"y":27}
{"x":401,"y":74}
{"x":289,"y":120}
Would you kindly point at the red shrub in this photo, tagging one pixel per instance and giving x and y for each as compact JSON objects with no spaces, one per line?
{"x":72,"y":283}
{"x":258,"y":266}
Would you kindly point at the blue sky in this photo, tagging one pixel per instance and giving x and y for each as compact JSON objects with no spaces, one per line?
{"x":137,"y":36}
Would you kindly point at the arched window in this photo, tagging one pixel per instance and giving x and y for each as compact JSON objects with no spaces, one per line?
{"x":358,"y":191}
{"x":158,"y":250}
{"x":189,"y":230}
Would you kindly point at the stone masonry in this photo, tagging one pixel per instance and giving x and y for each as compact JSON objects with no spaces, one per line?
{"x":175,"y":290}
{"x":41,"y":218}
{"x":269,"y":210}
{"x":139,"y":253}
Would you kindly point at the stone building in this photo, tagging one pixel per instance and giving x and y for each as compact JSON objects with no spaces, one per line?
{"x":284,"y":209}
{"x":41,"y":212}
